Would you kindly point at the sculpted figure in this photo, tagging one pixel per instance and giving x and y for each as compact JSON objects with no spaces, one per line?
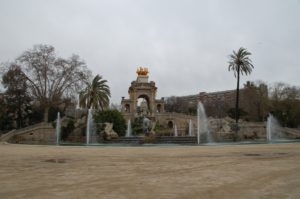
{"x":109,"y":133}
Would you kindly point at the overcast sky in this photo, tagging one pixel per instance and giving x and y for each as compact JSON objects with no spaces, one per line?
{"x":184,"y":43}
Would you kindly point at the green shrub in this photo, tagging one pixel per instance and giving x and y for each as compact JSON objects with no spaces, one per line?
{"x":112,"y":116}
{"x":137,"y":126}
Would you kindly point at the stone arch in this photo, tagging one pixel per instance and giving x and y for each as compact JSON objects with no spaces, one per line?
{"x":144,"y":107}
{"x":146,"y":97}
{"x":170,"y":124}
{"x":159,"y":108}
{"x":127,"y":108}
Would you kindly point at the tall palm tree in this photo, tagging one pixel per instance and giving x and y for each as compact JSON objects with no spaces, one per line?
{"x":239,"y":63}
{"x":96,"y":95}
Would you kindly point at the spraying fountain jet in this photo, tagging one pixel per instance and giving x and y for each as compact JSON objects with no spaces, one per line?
{"x":58,"y":128}
{"x":175,"y":130}
{"x":89,"y":127}
{"x":202,"y":127}
{"x":129,"y":130}
{"x":190,"y":128}
{"x":273,"y":129}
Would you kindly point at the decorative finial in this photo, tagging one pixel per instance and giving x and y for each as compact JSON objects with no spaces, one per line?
{"x":142,"y":71}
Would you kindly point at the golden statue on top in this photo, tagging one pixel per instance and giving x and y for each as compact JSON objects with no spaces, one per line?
{"x":142,"y":71}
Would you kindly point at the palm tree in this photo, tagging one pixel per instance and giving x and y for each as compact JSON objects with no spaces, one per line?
{"x":239,"y":63}
{"x":96,"y":95}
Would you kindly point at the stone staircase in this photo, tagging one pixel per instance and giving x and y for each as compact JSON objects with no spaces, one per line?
{"x":30,"y":132}
{"x":186,"y":140}
{"x":127,"y":140}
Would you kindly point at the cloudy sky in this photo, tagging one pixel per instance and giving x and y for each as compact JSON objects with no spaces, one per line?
{"x":184,"y":43}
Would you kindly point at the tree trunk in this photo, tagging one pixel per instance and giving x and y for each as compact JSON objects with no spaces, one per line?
{"x":237,"y":102}
{"x":237,"y":96}
{"x":46,"y":114}
{"x":19,"y":123}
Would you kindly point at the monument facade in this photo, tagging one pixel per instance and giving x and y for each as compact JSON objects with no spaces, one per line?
{"x":146,"y":91}
{"x":142,"y":103}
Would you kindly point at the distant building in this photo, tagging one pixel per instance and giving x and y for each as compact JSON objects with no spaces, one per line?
{"x":216,"y":104}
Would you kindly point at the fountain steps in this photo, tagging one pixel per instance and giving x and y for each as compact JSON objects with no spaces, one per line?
{"x":157,"y":140}
{"x":177,"y":140}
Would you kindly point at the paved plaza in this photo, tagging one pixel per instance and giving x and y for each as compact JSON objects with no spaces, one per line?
{"x":231,"y":171}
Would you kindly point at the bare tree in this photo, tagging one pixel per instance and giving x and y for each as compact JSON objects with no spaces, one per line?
{"x":285,"y":104}
{"x":51,"y":78}
{"x":256,"y":98}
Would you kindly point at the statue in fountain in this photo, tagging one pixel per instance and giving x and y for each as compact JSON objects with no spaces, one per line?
{"x":146,"y":125}
{"x":153,"y":127}
{"x":108,"y":132}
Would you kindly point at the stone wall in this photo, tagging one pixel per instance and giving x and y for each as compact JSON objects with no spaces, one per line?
{"x":180,"y":120}
{"x":221,"y":129}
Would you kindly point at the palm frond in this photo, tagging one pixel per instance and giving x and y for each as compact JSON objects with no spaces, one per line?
{"x":240,"y":60}
{"x":96,"y":95}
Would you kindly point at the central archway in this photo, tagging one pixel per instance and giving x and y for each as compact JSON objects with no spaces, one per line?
{"x":143,"y":105}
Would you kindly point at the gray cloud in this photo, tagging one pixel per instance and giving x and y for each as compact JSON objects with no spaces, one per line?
{"x":185,"y":44}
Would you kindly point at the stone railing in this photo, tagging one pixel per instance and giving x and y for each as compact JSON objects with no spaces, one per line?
{"x":176,"y":115}
{"x":292,"y":132}
{"x":5,"y":137}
